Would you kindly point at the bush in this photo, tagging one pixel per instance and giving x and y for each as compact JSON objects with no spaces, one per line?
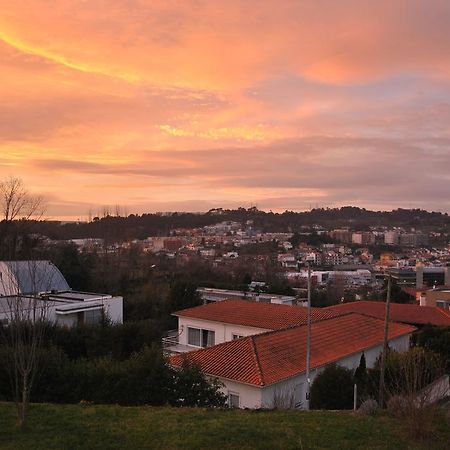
{"x":192,"y":388}
{"x":333,"y":389}
{"x":398,"y":406}
{"x":368,"y":408}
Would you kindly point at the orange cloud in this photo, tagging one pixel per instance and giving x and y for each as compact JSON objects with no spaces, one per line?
{"x":195,"y":102}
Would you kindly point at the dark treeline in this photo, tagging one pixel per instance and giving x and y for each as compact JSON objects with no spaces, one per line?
{"x":109,"y":363}
{"x":133,"y":226}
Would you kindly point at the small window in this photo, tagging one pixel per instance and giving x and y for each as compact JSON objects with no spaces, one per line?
{"x":443,"y":304}
{"x":233,"y":400}
{"x":208,"y":338}
{"x":194,"y":336}
{"x":236,"y":336}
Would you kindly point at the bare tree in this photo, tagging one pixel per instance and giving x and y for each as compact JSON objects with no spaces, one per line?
{"x":283,"y":398}
{"x":21,"y":305}
{"x":26,"y":317}
{"x":416,"y":380}
{"x":17,"y":207}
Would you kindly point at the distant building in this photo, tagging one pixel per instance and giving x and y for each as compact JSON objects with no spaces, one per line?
{"x":363,"y":238}
{"x":209,"y":295}
{"x":413,"y":239}
{"x":439,"y":297}
{"x":344,"y":236}
{"x":173,"y":244}
{"x":432,"y":276}
{"x":391,"y":238}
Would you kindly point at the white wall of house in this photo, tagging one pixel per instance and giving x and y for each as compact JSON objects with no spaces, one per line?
{"x":68,"y":320}
{"x":291,"y":393}
{"x":223,"y":331}
{"x":112,"y":307}
{"x":249,"y":396}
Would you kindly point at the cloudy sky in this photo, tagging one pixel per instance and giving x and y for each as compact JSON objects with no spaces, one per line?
{"x":192,"y":104}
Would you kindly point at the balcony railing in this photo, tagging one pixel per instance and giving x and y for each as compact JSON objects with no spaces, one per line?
{"x":171,"y":343}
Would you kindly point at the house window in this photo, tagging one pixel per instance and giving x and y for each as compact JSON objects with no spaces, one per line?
{"x":442,"y":304}
{"x":233,"y":400}
{"x":194,"y":336}
{"x":201,"y":338}
{"x":236,"y":336}
{"x":208,"y":338}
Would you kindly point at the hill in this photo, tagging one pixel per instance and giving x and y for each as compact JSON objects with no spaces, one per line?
{"x":114,"y":427}
{"x":141,"y":226}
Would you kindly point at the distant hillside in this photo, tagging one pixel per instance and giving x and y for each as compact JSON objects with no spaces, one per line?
{"x":115,"y":427}
{"x":141,"y":226}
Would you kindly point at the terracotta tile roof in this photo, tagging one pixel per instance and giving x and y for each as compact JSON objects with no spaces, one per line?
{"x":273,"y":356}
{"x":406,"y":313}
{"x":267,"y":316}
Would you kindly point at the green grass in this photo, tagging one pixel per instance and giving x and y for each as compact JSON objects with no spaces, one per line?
{"x":115,"y":427}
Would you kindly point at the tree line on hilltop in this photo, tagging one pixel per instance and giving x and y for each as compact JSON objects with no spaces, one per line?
{"x":134,"y":226}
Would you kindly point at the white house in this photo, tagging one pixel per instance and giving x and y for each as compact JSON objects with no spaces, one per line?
{"x":218,"y":322}
{"x":268,"y":370}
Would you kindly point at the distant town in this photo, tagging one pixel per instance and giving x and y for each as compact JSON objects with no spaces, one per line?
{"x":265,"y":253}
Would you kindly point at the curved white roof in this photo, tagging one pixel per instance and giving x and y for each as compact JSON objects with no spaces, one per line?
{"x":30,"y":277}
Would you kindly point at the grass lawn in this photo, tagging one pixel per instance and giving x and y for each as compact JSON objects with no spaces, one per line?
{"x":116,"y":427}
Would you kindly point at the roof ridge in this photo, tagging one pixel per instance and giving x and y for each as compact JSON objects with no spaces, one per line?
{"x":443,"y":311}
{"x":258,"y":364}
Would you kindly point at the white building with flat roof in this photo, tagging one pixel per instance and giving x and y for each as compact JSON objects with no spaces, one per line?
{"x":67,"y":309}
{"x":32,"y":290}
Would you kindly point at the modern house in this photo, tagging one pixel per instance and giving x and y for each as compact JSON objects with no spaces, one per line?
{"x":218,"y":322}
{"x":439,"y":296}
{"x":399,"y":312}
{"x":37,"y":289}
{"x":267,"y":370}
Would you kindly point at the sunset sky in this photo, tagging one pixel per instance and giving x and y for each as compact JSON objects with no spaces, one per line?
{"x":190,"y":104}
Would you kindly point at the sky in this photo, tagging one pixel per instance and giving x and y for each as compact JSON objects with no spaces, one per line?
{"x":188,"y":105}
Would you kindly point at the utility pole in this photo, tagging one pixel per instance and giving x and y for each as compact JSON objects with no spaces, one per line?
{"x":308,"y":341}
{"x":382,"y":387}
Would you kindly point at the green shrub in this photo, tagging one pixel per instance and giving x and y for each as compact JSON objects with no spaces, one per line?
{"x":333,"y":389}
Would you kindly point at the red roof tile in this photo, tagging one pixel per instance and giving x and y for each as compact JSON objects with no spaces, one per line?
{"x":413,"y":314}
{"x":267,"y":316}
{"x":270,"y":357}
